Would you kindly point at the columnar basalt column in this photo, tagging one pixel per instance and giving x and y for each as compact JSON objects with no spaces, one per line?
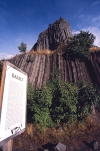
{"x":57,"y":33}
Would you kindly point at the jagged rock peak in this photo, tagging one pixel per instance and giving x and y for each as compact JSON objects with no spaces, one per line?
{"x":57,"y":33}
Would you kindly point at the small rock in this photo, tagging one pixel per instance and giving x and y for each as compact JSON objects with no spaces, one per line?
{"x":59,"y":129}
{"x":60,"y":147}
{"x":46,"y":150}
{"x":95,"y":144}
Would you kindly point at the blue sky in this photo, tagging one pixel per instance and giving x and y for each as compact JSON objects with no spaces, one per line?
{"x":23,"y":20}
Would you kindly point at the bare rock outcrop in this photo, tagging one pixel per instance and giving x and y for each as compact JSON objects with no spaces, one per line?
{"x":57,"y":33}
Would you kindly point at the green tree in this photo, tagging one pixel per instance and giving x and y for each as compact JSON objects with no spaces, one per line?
{"x":79,"y":45}
{"x":22,"y":47}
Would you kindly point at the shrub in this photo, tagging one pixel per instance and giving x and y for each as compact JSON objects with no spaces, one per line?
{"x":61,"y":102}
{"x":40,"y":101}
{"x":88,"y":96}
{"x":63,"y":107}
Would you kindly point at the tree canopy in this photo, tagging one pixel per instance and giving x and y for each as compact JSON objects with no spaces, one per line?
{"x":22,"y":47}
{"x":79,"y":45}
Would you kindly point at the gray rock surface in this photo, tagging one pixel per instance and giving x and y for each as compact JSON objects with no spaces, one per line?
{"x":57,"y":33}
{"x":42,"y":66}
{"x":46,"y":150}
{"x":95,"y":144}
{"x":60,"y":147}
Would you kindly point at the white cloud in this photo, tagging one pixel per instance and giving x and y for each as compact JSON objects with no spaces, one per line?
{"x":95,"y":3}
{"x":4,"y":55}
{"x":91,"y":24}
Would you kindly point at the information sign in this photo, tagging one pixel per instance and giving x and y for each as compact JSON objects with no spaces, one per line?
{"x":13,"y":100}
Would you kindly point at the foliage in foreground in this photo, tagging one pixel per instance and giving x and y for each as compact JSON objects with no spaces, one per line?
{"x":39,"y":103}
{"x":64,"y":100}
{"x":61,"y":102}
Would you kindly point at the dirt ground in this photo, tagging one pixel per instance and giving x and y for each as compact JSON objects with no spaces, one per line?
{"x":76,"y":138}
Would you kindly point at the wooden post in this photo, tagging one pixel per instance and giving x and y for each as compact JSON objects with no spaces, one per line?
{"x":93,"y":112}
{"x":7,"y":146}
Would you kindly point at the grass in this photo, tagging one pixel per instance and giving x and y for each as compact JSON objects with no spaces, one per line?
{"x":92,"y":49}
{"x":66,"y":134}
{"x":60,"y":49}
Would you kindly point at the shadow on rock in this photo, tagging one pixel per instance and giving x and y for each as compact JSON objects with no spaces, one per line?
{"x":39,"y":149}
{"x":49,"y":146}
{"x":92,"y":145}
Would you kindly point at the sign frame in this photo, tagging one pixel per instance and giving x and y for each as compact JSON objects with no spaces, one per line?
{"x":2,"y":88}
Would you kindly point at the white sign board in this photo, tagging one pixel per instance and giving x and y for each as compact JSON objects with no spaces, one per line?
{"x":12,"y":102}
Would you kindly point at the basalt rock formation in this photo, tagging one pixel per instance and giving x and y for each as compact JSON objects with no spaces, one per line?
{"x":40,"y":67}
{"x":57,"y":33}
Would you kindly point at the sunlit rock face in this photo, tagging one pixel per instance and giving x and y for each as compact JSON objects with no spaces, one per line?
{"x":57,"y":33}
{"x":41,"y":67}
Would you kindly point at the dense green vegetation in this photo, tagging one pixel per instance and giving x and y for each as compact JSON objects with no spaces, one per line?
{"x":78,"y":47}
{"x":61,"y":102}
{"x":39,"y":103}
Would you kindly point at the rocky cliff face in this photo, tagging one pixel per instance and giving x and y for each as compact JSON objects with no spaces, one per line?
{"x":40,"y":66}
{"x":57,"y":33}
{"x":95,"y":61}
{"x":72,"y":71}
